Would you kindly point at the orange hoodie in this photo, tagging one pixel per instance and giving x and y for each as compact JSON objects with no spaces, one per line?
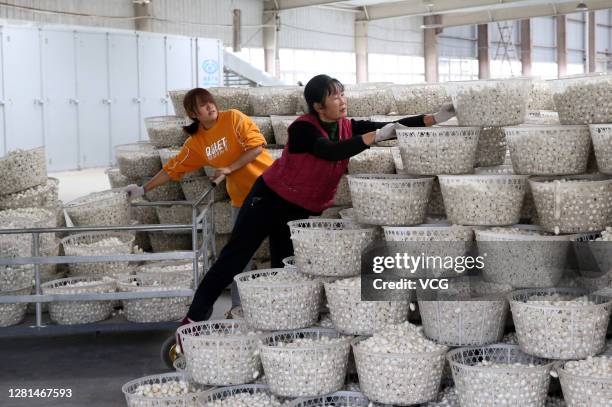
{"x":232,"y":135}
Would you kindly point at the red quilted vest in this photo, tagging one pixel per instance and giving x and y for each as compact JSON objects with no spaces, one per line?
{"x":304,"y":179}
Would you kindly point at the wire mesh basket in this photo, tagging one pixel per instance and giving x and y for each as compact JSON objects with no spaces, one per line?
{"x":450,"y":240}
{"x":343,"y":193}
{"x":223,"y":217}
{"x":22,"y":169}
{"x":290,"y":265}
{"x":540,"y":96}
{"x":184,"y":267}
{"x":348,"y":214}
{"x":106,"y":208}
{"x":593,"y":254}
{"x":98,"y":244}
{"x":13,"y":313}
{"x":176,"y":97}
{"x":375,"y":160}
{"x":144,"y":215}
{"x":116,"y":179}
{"x":438,"y":150}
{"x":584,"y":390}
{"x":138,"y":160}
{"x":419,"y":98}
{"x":280,"y":126}
{"x":170,"y":242}
{"x":243,"y":395}
{"x":306,"y":362}
{"x":160,"y":309}
{"x":275,"y":100}
{"x":220,"y":352}
{"x":194,"y":187}
{"x":79,"y":312}
{"x":549,"y":150}
{"x":523,"y":256}
{"x":583,"y":99}
{"x":170,"y":191}
{"x":491,"y":149}
{"x":279,"y":299}
{"x":483,"y":199}
{"x":166,"y":131}
{"x":393,"y":200}
{"x":573,"y":204}
{"x":329,"y":247}
{"x":41,"y":196}
{"x":370,"y":100}
{"x":20,"y":245}
{"x":499,"y":375}
{"x":564,"y":328}
{"x":175,"y":215}
{"x":419,"y":374}
{"x":337,"y":399}
{"x":16,"y":276}
{"x":352,"y":316}
{"x":490,"y":102}
{"x":601,"y":134}
{"x":542,"y":117}
{"x":264,"y":124}
{"x":135,"y":391}
{"x":469,"y":313}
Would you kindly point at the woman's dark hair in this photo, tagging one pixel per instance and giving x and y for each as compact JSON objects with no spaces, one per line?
{"x":318,"y":88}
{"x":193,"y":98}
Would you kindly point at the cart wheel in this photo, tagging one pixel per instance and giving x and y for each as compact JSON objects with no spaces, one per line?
{"x":168,"y":352}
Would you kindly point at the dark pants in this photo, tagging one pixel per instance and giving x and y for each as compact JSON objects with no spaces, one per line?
{"x":263,"y":213}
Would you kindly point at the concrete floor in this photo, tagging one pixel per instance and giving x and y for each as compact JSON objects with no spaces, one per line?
{"x":93,"y":365}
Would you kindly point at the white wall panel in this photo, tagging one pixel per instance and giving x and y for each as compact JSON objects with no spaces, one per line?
{"x":543,"y":31}
{"x":152,"y":76}
{"x":399,"y":36}
{"x":217,"y":14}
{"x":61,"y":102}
{"x":125,"y":125}
{"x":23,"y":87}
{"x":93,"y":95}
{"x":117,"y":8}
{"x":317,"y":28}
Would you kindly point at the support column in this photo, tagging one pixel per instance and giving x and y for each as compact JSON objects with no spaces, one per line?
{"x":526,"y":47}
{"x":270,"y":43}
{"x":484,"y":69}
{"x":361,"y":50}
{"x":237,"y":30}
{"x":591,"y":42}
{"x":561,"y":46}
{"x":144,"y":11}
{"x":430,"y":49}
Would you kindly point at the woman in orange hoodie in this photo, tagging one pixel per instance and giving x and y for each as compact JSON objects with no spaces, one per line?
{"x":228,"y":141}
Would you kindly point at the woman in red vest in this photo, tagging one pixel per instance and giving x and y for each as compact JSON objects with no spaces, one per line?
{"x":300,"y":184}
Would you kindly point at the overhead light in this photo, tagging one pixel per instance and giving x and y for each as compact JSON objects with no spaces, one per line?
{"x":426,"y":26}
{"x":582,"y":7}
{"x":141,"y":2}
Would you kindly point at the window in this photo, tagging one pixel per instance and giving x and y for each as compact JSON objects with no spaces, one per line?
{"x":302,"y":64}
{"x":396,"y":68}
{"x":457,"y":69}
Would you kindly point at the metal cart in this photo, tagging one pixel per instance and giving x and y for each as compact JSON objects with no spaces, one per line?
{"x":202,"y":221}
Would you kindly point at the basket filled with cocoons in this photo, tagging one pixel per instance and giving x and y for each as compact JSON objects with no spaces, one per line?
{"x":163,"y":390}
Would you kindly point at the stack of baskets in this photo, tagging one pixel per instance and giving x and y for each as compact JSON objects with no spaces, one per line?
{"x":545,"y":184}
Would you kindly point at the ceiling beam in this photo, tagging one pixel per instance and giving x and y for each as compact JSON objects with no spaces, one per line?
{"x":480,"y":8}
{"x":421,"y":7}
{"x":518,"y":13}
{"x":293,"y":4}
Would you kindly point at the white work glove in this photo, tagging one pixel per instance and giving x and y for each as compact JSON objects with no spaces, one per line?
{"x":134,"y":191}
{"x":385,"y":133}
{"x":447,"y":112}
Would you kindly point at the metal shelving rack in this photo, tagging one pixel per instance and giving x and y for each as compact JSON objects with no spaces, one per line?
{"x":202,"y":220}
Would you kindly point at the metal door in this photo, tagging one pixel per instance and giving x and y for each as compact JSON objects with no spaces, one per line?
{"x":59,"y":84}
{"x":152,"y":77}
{"x":94,"y":101}
{"x":22,"y":84}
{"x":123,"y":75}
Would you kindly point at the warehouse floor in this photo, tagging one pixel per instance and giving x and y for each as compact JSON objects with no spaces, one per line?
{"x":95,"y":365}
